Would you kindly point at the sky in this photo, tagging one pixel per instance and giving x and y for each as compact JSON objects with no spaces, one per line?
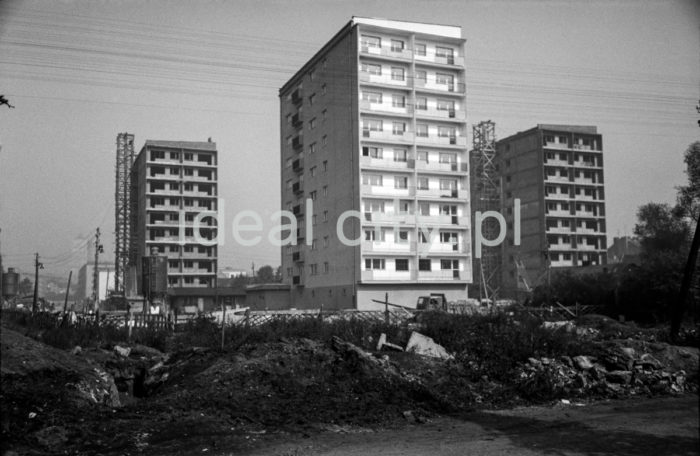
{"x":81,"y":71}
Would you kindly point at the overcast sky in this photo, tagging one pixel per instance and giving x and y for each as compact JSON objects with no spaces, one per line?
{"x":79,"y":72}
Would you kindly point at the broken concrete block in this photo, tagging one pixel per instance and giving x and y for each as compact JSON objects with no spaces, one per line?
{"x":628,"y":352}
{"x":423,"y":345}
{"x":647,"y":360}
{"x":122,"y":351}
{"x":382,"y":343}
{"x":583,"y":362}
{"x":619,"y":376}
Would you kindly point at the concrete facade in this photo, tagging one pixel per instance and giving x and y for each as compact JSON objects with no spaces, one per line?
{"x":174,"y":183}
{"x":373,"y":140}
{"x":556,"y":171}
{"x":105,"y":281}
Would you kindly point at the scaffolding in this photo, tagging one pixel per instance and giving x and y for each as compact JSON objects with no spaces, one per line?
{"x":122,"y":209}
{"x":486,"y":196}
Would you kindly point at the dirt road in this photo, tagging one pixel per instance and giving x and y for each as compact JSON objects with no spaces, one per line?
{"x":655,"y":427}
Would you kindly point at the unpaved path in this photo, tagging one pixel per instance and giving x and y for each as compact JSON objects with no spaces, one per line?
{"x":654,"y":427}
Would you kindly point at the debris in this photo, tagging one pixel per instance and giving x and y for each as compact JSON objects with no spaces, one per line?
{"x":423,"y":345}
{"x":76,"y":350}
{"x":122,"y":351}
{"x":583,"y":362}
{"x":51,"y":436}
{"x":382,"y":343}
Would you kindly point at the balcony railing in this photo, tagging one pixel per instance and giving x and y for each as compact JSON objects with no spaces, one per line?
{"x":442,"y":140}
{"x":455,"y":87}
{"x":404,"y":137}
{"x":388,"y":247}
{"x":456,"y":114}
{"x":386,"y":51}
{"x":383,"y":163}
{"x":389,"y":276}
{"x":441,"y":59}
{"x":383,"y":79}
{"x":438,"y":166}
{"x":388,"y":108}
{"x":386,"y":191}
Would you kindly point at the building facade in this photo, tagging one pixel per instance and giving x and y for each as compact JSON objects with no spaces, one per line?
{"x":174,"y":190}
{"x":556,"y":172}
{"x":374,"y":167}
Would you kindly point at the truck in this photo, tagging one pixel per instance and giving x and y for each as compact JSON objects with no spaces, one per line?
{"x":436,"y":301}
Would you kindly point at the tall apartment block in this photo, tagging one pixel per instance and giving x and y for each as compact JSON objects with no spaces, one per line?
{"x":170,"y":179}
{"x":373,"y":132}
{"x":556,"y":171}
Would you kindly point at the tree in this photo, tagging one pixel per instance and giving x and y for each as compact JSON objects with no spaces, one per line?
{"x":689,"y":195}
{"x":661,"y":230}
{"x":25,"y":286}
{"x":265,"y":274}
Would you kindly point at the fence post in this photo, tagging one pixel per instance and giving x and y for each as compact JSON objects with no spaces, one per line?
{"x":247,"y":319}
{"x":386,"y":309}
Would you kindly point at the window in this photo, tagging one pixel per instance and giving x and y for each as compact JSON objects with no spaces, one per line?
{"x":325,"y":217}
{"x":404,"y":207}
{"x":325,"y":190}
{"x":372,"y":125}
{"x":445,"y":53}
{"x":312,"y":195}
{"x":424,"y":265}
{"x":313,"y":269}
{"x":446,"y":105}
{"x":424,"y":209}
{"x":420,"y":49}
{"x":374,"y":152}
{"x":370,"y":41}
{"x":312,"y":99}
{"x":324,"y":89}
{"x":312,"y":74}
{"x":324,"y":140}
{"x":372,"y":68}
{"x":449,"y":265}
{"x":422,"y":130}
{"x":372,"y":179}
{"x":423,"y":183}
{"x":174,"y":156}
{"x":372,"y":97}
{"x":401,"y":264}
{"x":326,"y":267}
{"x":398,"y":101}
{"x":399,"y":128}
{"x":157,"y":155}
{"x":447,"y":132}
{"x":374,"y":263}
{"x":448,"y":184}
{"x":396,"y":45}
{"x":421,"y":103}
{"x":325,"y":165}
{"x":398,"y":74}
{"x":189,"y":157}
{"x":325,"y":241}
{"x":448,"y":158}
{"x":312,"y":148}
{"x":312,"y":170}
{"x":447,"y":237}
{"x":445,"y":79}
{"x":400,"y":182}
{"x":324,"y":114}
{"x":374,"y":235}
{"x":421,"y":76}
{"x":314,"y":244}
{"x":563,"y":140}
{"x":312,"y":123}
{"x":423,"y":156}
{"x":399,"y":155}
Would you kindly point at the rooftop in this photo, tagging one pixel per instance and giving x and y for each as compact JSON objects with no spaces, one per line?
{"x":196,"y":145}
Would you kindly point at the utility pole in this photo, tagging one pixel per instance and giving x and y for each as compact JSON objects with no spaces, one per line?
{"x":65,"y":303}
{"x":252,"y":269}
{"x":680,"y":305}
{"x":37,"y":266}
{"x":96,"y":272}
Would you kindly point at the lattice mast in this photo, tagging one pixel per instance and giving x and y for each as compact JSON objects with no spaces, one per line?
{"x":122,"y":209}
{"x":486,"y":196}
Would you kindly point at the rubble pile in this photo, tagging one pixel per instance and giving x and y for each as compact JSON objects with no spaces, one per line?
{"x":617,"y":369}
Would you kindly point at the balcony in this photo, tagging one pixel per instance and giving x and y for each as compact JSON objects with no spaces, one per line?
{"x":199,"y":178}
{"x":558,"y":213}
{"x":555,"y":145}
{"x":386,"y":51}
{"x":297,"y":96}
{"x":445,"y":248}
{"x":298,"y":280}
{"x":457,"y":88}
{"x":447,"y":275}
{"x":386,"y":191}
{"x":403,"y":137}
{"x":298,"y":257}
{"x":388,"y":247}
{"x":387,"y":276}
{"x":297,"y":188}
{"x":370,"y":162}
{"x":440,"y":59}
{"x":557,"y":178}
{"x":447,"y":193}
{"x":298,"y":165}
{"x":384,"y":79}
{"x":559,"y":230}
{"x":442,"y":140}
{"x":390,"y":218}
{"x":387,"y":108}
{"x":298,"y":142}
{"x":586,"y":164}
{"x":454,"y":114}
{"x":164,"y":207}
{"x":555,"y":162}
{"x":164,"y":176}
{"x":561,"y":246}
{"x":586,"y":247}
{"x":296,"y":120}
{"x":445,"y":167}
{"x":452,"y":220}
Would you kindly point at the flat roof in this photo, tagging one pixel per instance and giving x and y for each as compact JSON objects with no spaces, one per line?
{"x":451,"y":31}
{"x":198,"y":145}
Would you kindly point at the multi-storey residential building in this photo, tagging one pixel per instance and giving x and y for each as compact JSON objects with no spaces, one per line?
{"x":373,"y":133}
{"x":170,"y":180}
{"x":556,"y":171}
